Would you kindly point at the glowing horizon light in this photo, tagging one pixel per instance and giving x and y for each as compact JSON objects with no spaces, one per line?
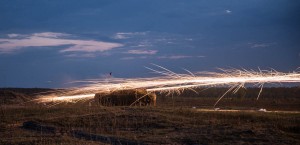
{"x":172,"y":82}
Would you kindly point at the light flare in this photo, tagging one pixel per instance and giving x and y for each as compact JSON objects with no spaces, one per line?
{"x":66,"y":98}
{"x":172,"y":82}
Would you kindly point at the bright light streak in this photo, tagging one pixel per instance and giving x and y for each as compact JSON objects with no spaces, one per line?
{"x":66,"y":98}
{"x":171,"y":82}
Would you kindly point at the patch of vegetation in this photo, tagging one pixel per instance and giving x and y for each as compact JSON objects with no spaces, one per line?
{"x":175,"y":120}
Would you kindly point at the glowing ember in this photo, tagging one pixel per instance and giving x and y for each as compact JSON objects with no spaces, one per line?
{"x":176,"y":83}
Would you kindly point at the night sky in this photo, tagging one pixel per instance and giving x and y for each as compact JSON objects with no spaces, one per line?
{"x":49,"y":43}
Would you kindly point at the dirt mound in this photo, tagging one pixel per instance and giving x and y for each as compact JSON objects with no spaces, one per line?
{"x":139,"y":97}
{"x":11,"y":97}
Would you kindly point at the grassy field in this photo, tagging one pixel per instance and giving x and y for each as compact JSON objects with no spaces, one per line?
{"x":175,"y":120}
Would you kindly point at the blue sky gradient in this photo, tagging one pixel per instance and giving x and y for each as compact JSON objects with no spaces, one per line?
{"x":48,"y":43}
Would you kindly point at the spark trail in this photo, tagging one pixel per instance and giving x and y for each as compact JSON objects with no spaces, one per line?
{"x":172,"y":82}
